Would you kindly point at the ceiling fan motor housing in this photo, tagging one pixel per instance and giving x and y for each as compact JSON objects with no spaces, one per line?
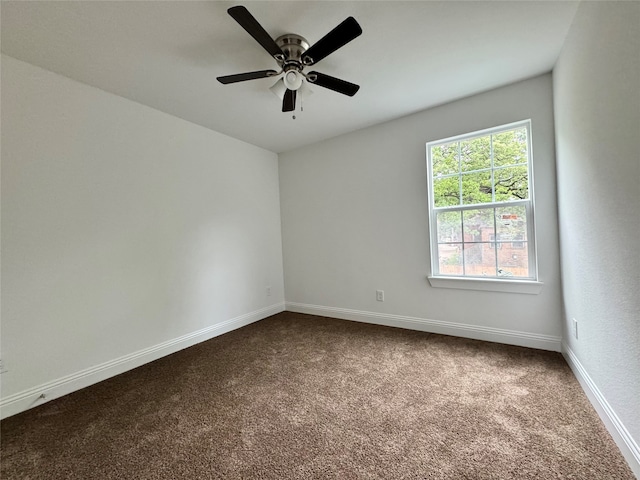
{"x":293,"y":46}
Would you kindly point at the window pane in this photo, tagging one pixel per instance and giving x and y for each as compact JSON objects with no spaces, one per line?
{"x":449,"y":227}
{"x":513,"y":262}
{"x":475,"y":154}
{"x":511,"y":183}
{"x":479,"y":260}
{"x":476,"y":188}
{"x":480,"y":185}
{"x":511,"y":223}
{"x":446,"y":191}
{"x":444,"y":159}
{"x":450,"y":259}
{"x":510,"y":148}
{"x":478,"y":225}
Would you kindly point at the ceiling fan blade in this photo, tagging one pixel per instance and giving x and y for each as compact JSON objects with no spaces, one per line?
{"x":289,"y":101}
{"x":333,"y":83}
{"x":332,"y":41}
{"x":241,"y":15}
{"x":241,"y":77}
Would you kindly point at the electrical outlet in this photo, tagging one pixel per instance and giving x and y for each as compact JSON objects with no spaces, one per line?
{"x":380,"y":295}
{"x":268,"y":291}
{"x":575,"y":327}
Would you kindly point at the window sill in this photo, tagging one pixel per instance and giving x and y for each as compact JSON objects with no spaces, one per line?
{"x":530,"y":287}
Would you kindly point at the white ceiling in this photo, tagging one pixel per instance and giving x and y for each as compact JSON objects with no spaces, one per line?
{"x":167,"y":55}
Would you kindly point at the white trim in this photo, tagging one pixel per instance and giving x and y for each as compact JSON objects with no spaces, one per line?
{"x":625,"y":442}
{"x":479,"y":133}
{"x":529,"y":287}
{"x":31,"y":397}
{"x":490,"y":334}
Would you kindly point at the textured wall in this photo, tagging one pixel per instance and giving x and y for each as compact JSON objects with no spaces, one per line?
{"x":597,"y":108}
{"x":122,"y":227}
{"x":355,"y":217}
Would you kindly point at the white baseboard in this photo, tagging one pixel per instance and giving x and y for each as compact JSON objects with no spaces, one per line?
{"x":627,"y":445}
{"x":510,"y":337}
{"x":40,"y":394}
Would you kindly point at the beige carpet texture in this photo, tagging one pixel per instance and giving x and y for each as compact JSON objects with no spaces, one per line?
{"x":302,"y":397}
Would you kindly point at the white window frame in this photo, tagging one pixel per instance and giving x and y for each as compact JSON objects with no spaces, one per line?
{"x":531,"y":284}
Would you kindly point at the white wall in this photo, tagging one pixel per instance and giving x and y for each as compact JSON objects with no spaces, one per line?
{"x":355,"y":219}
{"x":597,"y":108}
{"x":123,"y":228}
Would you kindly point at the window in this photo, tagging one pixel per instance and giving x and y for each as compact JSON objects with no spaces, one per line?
{"x":481,"y":204}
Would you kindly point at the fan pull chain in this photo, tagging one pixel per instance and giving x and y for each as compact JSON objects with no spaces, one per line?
{"x":301,"y":109}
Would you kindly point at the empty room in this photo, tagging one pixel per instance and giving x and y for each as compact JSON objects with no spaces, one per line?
{"x":320,"y":240}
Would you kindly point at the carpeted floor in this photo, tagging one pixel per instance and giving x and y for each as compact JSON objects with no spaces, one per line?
{"x":302,"y":397}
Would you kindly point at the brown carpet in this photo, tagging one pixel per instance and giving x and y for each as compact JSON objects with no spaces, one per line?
{"x":303,"y":397}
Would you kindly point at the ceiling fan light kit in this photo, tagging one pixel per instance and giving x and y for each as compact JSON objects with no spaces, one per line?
{"x":293,"y":53}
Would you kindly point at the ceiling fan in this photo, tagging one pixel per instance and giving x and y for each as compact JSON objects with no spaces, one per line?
{"x":293,"y":54}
